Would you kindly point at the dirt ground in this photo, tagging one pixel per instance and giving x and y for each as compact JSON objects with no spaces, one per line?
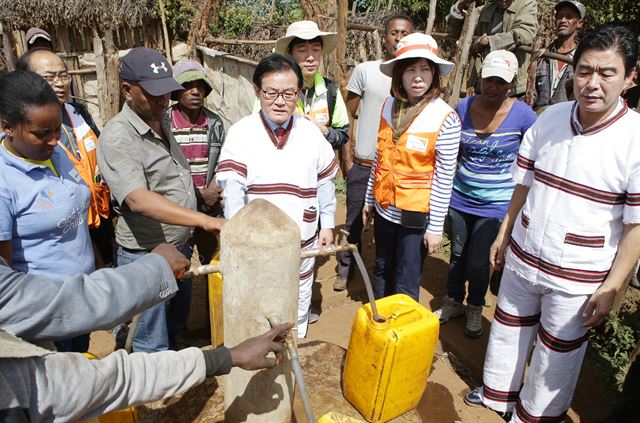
{"x":457,"y":365}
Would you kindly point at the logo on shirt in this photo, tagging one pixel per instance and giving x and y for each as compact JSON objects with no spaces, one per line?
{"x":77,"y":217}
{"x":45,"y":200}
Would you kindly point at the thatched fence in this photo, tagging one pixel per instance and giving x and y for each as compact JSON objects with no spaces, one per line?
{"x":78,"y":27}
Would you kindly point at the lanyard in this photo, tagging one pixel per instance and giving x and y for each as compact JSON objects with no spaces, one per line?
{"x":72,"y":143}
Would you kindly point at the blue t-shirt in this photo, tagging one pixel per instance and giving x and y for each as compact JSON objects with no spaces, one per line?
{"x":483,"y":183}
{"x":45,"y":216}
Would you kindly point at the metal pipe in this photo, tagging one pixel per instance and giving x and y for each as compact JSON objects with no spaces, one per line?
{"x":206,"y":269}
{"x":330,"y":250}
{"x":292,"y":346}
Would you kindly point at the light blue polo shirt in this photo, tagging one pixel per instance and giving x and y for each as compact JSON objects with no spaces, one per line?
{"x":45,"y":216}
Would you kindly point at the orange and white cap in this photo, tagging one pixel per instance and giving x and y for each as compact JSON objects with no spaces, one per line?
{"x":500,"y":63}
{"x":417,"y":45}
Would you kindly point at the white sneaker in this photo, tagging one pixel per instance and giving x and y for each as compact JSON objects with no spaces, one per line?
{"x":473,"y":328}
{"x":450,"y":309}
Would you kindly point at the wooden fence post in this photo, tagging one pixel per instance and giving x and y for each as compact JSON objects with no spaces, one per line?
{"x":8,"y":48}
{"x":529,"y":96}
{"x":165,"y":33}
{"x":108,"y":74}
{"x":432,"y":16}
{"x":462,"y":57}
{"x":341,"y":49}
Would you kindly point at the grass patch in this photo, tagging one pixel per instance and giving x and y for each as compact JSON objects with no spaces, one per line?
{"x":612,"y":344}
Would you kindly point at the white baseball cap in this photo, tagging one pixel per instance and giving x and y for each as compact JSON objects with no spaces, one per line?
{"x":417,"y":45}
{"x":500,"y":63}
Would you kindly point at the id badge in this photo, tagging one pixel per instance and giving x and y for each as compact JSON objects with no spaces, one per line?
{"x":417,"y":144}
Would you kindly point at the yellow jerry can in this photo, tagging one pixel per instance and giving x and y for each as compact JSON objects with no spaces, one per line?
{"x":388,"y":362}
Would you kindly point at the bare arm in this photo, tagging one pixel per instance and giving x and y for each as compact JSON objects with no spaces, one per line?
{"x":499,"y":246}
{"x":601,"y":301}
{"x":353,"y":102}
{"x":6,"y":251}
{"x":156,"y":207}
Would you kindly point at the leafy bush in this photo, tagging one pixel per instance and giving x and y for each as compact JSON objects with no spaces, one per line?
{"x":626,"y":12}
{"x":613,"y":345}
{"x":179,"y":15}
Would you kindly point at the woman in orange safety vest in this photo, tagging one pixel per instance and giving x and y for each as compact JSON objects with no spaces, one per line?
{"x":411,"y":182}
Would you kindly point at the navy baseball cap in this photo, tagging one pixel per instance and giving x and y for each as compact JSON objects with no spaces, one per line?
{"x":150,"y":69}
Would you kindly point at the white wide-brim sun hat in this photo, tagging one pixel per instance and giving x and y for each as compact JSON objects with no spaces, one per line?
{"x":417,"y":45}
{"x":306,"y":30}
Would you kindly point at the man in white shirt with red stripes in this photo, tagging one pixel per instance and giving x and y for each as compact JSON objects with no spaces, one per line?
{"x":283,"y":158}
{"x":571,"y":236}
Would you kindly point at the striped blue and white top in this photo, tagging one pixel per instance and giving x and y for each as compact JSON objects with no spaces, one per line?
{"x":446,"y":154}
{"x":483,"y":184}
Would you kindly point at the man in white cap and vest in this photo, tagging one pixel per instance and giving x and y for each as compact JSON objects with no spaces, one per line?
{"x":278,"y":155}
{"x":320,"y":99}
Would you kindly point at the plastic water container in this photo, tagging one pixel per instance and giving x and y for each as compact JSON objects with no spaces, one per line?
{"x":388,"y":362}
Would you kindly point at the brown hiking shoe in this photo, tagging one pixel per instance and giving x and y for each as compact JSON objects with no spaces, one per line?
{"x":340,"y":284}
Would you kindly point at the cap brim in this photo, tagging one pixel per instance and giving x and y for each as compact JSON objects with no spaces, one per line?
{"x":162,"y":86}
{"x":444,"y":66}
{"x":190,"y":76}
{"x":489,"y":71}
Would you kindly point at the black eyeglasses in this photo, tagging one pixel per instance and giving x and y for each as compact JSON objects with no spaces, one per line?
{"x":273,"y":95}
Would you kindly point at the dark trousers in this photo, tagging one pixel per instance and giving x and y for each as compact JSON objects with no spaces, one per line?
{"x":471,"y":237}
{"x":625,"y":409}
{"x":400,"y":254}
{"x":78,"y":344}
{"x":357,"y":178}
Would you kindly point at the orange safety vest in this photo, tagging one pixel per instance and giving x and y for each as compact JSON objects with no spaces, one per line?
{"x":404,"y":170}
{"x":87,"y":166}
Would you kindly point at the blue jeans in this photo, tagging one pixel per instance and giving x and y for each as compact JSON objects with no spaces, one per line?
{"x":357,"y":179}
{"x":161,"y":324}
{"x":471,"y":238}
{"x":400,"y":254}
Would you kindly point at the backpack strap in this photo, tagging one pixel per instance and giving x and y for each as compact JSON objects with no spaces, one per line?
{"x":332,"y":94}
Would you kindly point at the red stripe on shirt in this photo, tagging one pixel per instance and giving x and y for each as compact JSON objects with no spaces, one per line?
{"x":286,"y":189}
{"x":573,"y":275}
{"x":231,"y":165}
{"x":579,"y":190}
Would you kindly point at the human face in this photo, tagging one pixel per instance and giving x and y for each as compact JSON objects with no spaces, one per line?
{"x":192,"y":97}
{"x":504,"y":4}
{"x":598,"y":82}
{"x":395,"y":31}
{"x":416,"y":79}
{"x":307,"y":55}
{"x":494,"y":89}
{"x":278,"y":110}
{"x":37,"y":136}
{"x":150,"y":108}
{"x":567,"y":21}
{"x":48,"y":65}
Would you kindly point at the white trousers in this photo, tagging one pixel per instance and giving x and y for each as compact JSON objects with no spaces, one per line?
{"x":525,"y":313}
{"x":304,"y":295}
